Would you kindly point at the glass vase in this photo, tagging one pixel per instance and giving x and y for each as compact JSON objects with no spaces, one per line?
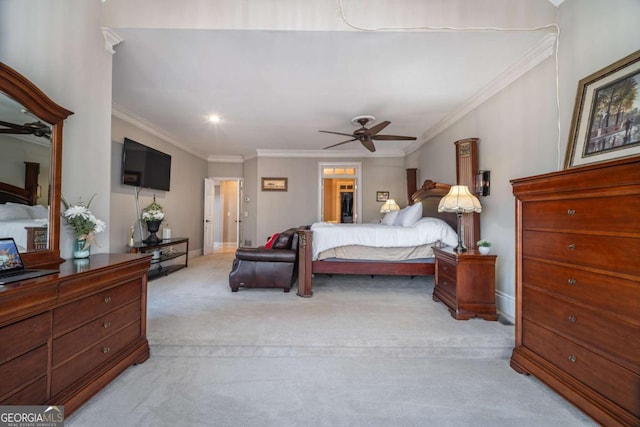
{"x":79,"y":249}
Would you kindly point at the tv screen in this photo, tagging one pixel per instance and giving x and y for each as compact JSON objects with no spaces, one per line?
{"x":144,"y":166}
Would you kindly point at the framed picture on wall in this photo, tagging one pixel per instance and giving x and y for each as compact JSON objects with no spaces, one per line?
{"x":382,"y":196}
{"x":606,"y":117}
{"x":274,"y":184}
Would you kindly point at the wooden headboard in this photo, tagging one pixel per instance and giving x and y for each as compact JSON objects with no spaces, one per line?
{"x":429,"y":195}
{"x":27,"y":195}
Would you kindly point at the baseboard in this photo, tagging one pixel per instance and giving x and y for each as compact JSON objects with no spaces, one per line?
{"x":506,"y":305}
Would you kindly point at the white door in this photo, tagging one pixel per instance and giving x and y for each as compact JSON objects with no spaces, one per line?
{"x":223,"y":224}
{"x":209,"y":199}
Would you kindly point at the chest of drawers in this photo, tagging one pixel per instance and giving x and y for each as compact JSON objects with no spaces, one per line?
{"x":578,"y":286}
{"x":63,"y":337}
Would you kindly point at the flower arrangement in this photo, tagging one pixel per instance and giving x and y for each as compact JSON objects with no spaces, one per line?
{"x":83,"y":222}
{"x":484,"y":243}
{"x":153,"y":212}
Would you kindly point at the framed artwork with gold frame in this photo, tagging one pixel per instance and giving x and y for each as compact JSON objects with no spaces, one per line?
{"x":274,"y":184}
{"x":606,"y":117}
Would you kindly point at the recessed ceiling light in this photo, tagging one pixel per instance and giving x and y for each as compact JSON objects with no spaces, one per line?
{"x":214,"y":118}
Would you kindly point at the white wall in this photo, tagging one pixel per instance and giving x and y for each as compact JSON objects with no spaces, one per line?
{"x":278,"y":211}
{"x":183,"y":204}
{"x":58,"y":45}
{"x":518,"y":126}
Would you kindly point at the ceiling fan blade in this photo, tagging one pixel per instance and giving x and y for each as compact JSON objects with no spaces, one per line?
{"x":393,"y":138}
{"x":377,"y":128}
{"x":339,"y":143}
{"x":368,"y":144}
{"x":336,"y":133}
{"x":11,"y":125}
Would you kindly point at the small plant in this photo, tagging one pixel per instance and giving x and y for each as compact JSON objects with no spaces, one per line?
{"x":484,"y":243}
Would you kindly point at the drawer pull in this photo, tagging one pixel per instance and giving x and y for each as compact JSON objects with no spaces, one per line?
{"x":107,"y":300}
{"x":572,"y":247}
{"x":572,"y":358}
{"x":571,"y":212}
{"x":106,"y":350}
{"x":106,"y":325}
{"x":444,"y":267}
{"x":571,"y":282}
{"x":572,"y":319}
{"x":445,"y":283}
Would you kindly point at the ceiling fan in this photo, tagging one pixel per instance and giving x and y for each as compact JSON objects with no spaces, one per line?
{"x":366,"y":136}
{"x":34,"y":128}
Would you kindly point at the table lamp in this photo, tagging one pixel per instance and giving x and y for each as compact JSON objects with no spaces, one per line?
{"x":459,"y":200}
{"x":389,"y":206}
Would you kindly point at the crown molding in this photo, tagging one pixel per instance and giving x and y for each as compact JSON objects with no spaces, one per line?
{"x":226,"y":159}
{"x":122,"y":113}
{"x":534,"y":56}
{"x":327,"y":154}
{"x":110,"y":39}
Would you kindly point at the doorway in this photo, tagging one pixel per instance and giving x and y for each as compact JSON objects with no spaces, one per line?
{"x":222,"y":218}
{"x":340,"y":200}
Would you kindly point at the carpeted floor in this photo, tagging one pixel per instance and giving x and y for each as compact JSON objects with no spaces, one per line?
{"x":362,"y":352}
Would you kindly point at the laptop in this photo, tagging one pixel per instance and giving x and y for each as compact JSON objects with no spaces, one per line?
{"x":11,"y":266}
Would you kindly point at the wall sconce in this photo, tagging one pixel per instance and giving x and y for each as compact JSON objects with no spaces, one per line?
{"x":483,"y":182}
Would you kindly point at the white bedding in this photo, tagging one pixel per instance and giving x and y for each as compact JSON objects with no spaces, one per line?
{"x":426,"y":231}
{"x":15,"y":217}
{"x":16,"y":228}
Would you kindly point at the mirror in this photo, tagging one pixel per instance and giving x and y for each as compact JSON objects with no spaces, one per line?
{"x":30,"y":129}
{"x":25,"y":169}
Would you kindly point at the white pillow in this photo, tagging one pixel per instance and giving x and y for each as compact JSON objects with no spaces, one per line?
{"x":14,"y":211}
{"x":409,"y":215}
{"x":390,"y":218}
{"x":38,"y":212}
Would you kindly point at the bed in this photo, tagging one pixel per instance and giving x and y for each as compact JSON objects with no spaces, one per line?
{"x":20,"y":215}
{"x":418,"y":260}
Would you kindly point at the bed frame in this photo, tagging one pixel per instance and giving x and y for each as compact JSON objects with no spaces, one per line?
{"x":429,"y":195}
{"x":36,"y":236}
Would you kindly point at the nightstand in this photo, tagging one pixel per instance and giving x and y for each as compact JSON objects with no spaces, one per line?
{"x":465,"y":283}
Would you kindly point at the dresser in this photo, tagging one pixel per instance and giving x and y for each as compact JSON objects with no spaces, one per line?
{"x":63,"y":337}
{"x":578,"y":286}
{"x":465,"y":283}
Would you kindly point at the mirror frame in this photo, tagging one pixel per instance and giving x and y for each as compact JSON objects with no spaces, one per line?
{"x":23,"y":91}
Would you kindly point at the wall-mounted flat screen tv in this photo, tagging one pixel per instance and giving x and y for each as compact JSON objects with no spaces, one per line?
{"x":145,"y":167}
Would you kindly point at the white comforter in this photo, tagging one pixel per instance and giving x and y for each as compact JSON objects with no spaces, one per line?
{"x":425,"y":231}
{"x":16,"y":228}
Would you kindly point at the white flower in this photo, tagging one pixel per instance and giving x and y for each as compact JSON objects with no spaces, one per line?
{"x":77,"y":211}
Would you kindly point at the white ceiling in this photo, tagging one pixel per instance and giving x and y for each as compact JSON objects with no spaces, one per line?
{"x":275,"y":89}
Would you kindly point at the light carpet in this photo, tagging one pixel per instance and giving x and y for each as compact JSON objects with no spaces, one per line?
{"x":361,"y":352}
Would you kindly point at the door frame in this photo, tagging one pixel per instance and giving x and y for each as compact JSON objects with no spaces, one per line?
{"x":357,"y":194}
{"x":221,"y":221}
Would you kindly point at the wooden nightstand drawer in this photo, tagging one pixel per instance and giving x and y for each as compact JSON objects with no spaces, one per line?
{"x":447,"y":270}
{"x":86,"y":336}
{"x":605,"y":292}
{"x":72,"y":315}
{"x":604,"y":252}
{"x":610,"y":379}
{"x":613,"y":214}
{"x":585,"y":325}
